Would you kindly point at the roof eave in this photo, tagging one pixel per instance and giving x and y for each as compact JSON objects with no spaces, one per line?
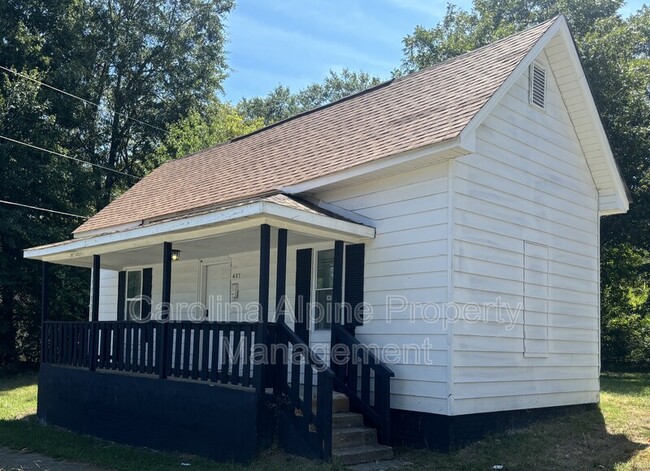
{"x":205,"y":225}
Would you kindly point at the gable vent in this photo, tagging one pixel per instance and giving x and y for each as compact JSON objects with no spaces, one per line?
{"x":538,"y":85}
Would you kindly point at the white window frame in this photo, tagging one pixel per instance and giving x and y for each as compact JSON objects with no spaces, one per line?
{"x":126,"y":293}
{"x":315,"y":289}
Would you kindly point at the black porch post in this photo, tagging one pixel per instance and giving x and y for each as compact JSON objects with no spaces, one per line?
{"x":94,"y":313}
{"x":337,"y":298}
{"x":281,"y":275}
{"x":337,"y":289}
{"x":166,"y":305}
{"x":263,"y":316}
{"x":280,"y":293}
{"x":45,"y":306}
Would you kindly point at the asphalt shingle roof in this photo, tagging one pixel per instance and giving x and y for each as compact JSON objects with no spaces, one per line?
{"x":420,"y":109}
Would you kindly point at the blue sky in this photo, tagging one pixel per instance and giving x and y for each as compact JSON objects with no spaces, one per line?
{"x":296,"y":42}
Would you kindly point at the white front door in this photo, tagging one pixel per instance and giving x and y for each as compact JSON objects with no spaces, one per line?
{"x":216,"y":291}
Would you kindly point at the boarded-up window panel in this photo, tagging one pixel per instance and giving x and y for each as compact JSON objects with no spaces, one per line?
{"x":535,"y":300}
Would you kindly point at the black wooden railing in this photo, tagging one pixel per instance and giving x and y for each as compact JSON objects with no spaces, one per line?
{"x":365,"y":380}
{"x":220,"y":352}
{"x":67,"y":343}
{"x":208,"y":351}
{"x":313,"y":418}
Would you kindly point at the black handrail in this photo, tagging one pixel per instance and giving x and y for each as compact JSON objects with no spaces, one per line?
{"x":312,"y":421}
{"x":376,"y":412}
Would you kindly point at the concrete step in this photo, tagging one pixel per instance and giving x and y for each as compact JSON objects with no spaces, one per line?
{"x":363,"y":454}
{"x":353,"y":436}
{"x":347,"y":419}
{"x":340,"y":403}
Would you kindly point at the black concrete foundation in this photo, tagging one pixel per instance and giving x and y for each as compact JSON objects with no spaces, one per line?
{"x":441,"y":432}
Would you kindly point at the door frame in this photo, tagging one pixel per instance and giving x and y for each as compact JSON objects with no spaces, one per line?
{"x":203,"y":279}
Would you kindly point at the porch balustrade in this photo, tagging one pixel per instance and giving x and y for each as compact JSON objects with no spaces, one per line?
{"x":208,"y":351}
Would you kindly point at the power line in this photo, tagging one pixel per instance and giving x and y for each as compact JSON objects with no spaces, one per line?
{"x":42,"y":149}
{"x":43,"y":84}
{"x":63,"y":213}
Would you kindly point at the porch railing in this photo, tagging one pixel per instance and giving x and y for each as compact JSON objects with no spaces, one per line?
{"x":209,"y":351}
{"x":365,"y":380}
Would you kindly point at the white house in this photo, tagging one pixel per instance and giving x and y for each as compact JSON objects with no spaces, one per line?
{"x":459,"y":206}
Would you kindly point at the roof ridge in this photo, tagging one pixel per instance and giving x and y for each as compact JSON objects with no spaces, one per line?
{"x":480,"y":48}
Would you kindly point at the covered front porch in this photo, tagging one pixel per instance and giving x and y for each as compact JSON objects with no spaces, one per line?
{"x":222,"y":300}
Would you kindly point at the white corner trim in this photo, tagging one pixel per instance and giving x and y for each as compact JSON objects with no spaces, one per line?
{"x":377,"y":165}
{"x":450,"y":284}
{"x":201,"y":226}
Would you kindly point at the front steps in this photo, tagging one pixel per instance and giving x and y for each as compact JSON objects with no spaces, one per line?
{"x":352,"y":443}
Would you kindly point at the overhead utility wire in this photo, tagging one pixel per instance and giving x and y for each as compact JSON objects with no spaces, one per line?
{"x":27,"y":77}
{"x":42,"y":149}
{"x":43,"y":209}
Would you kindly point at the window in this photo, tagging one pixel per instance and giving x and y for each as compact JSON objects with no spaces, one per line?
{"x":133,"y":294}
{"x":538,"y":85}
{"x":323,"y":289}
{"x":535,"y":300}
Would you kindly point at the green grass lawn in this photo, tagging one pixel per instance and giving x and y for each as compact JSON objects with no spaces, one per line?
{"x":615,"y":437}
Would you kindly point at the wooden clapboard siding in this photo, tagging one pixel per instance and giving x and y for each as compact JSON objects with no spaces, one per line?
{"x":408,"y":258}
{"x":107,"y":295}
{"x":185,"y":278}
{"x":528,"y":181}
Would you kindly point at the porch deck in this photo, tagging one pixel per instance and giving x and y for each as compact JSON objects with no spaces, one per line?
{"x":285,"y":376}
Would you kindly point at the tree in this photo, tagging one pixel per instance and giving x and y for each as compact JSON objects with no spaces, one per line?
{"x":615,"y":53}
{"x":140,"y":66}
{"x":219,"y":123}
{"x":281,"y":104}
{"x":461,"y":31}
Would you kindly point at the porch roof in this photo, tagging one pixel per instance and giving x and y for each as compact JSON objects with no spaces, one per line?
{"x":276,"y":210}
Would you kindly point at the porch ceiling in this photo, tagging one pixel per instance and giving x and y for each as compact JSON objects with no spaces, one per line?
{"x":217,"y":233}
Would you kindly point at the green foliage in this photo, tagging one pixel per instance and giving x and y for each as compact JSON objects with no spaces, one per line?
{"x":461,"y":31}
{"x":281,"y":104}
{"x":625,"y":315}
{"x":140,"y":62}
{"x":615,"y":53}
{"x":219,"y":123}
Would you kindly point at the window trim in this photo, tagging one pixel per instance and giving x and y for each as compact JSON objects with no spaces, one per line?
{"x":127,"y":313}
{"x":315,"y":290}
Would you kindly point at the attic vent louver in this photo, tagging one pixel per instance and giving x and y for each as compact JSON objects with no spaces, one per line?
{"x":538,"y":85}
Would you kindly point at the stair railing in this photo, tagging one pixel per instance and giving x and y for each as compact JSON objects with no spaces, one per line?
{"x":314,"y":421}
{"x":355,"y":378}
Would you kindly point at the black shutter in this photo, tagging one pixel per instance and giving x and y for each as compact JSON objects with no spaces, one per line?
{"x":121,"y":296}
{"x":354,"y":262}
{"x":303,"y":293}
{"x":147,"y":277}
